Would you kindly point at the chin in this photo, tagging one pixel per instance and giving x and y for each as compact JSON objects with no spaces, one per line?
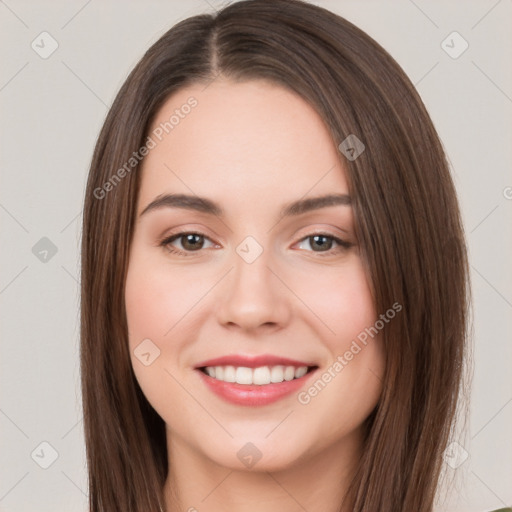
{"x":258,"y":454}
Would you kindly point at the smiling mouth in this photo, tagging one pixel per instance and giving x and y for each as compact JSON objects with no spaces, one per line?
{"x":259,"y":376}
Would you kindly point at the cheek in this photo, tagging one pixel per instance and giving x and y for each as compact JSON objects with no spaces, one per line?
{"x":156,"y":302}
{"x":157,"y":299}
{"x":345,"y":314}
{"x":341,"y":300}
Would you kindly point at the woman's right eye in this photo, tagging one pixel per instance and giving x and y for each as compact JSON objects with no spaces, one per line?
{"x":189,"y":241}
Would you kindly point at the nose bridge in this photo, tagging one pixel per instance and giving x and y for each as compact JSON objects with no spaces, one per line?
{"x":252,"y":269}
{"x":253,"y":295}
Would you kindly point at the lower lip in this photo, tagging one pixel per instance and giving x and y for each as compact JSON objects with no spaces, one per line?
{"x":244,"y":394}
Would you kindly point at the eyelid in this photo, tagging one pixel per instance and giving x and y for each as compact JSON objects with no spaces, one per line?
{"x":189,"y":229}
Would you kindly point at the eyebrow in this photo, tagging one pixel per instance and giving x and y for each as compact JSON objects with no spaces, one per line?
{"x":204,"y":205}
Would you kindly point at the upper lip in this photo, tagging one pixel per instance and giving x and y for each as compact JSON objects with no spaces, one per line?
{"x":253,"y":361}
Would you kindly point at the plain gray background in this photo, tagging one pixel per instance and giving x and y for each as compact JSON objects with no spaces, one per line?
{"x":52,"y":110}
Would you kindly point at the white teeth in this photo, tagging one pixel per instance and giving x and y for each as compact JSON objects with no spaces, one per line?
{"x":258,"y":376}
{"x":229,"y":374}
{"x":277,"y":374}
{"x":261,"y":376}
{"x":243,"y":375}
{"x":289,"y":373}
{"x":300,"y":372}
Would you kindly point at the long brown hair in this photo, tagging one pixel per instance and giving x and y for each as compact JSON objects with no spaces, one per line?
{"x":407,"y":221}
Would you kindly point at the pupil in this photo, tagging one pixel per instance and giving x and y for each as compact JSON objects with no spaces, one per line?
{"x":323,"y":242}
{"x":192,"y":239}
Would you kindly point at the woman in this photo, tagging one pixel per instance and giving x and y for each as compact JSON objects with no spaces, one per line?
{"x":274,"y":275}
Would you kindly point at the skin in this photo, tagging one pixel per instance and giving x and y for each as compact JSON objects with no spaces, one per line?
{"x":251,"y":147}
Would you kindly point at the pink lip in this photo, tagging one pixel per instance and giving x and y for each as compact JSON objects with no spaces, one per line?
{"x":253,"y":395}
{"x":253,"y":361}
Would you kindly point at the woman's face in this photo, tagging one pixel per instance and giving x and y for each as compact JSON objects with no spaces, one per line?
{"x":257,"y":282}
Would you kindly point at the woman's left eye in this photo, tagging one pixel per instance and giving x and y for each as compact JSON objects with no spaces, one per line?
{"x":323,"y":243}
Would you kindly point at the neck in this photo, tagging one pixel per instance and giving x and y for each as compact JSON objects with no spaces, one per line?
{"x":316,"y":483}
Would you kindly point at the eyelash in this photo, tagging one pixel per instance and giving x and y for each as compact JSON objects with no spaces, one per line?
{"x":342,"y":244}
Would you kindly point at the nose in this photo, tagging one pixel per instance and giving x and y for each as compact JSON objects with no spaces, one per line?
{"x":253,"y":296}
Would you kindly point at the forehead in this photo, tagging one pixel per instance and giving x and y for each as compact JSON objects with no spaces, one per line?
{"x":233,"y":141}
